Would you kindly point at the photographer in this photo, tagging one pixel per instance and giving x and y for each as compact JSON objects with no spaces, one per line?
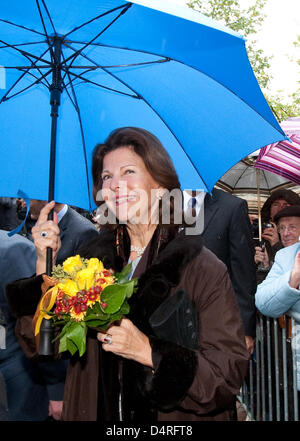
{"x":265,"y":254}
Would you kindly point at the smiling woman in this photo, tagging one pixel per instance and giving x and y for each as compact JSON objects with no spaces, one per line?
{"x":131,"y":172}
{"x":130,"y":184}
{"x":180,"y":352}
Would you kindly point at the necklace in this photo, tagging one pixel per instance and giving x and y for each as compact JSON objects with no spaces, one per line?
{"x":139,"y":250}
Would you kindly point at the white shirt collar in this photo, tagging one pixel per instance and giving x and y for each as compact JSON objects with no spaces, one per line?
{"x":200,"y":199}
{"x":62,"y":212}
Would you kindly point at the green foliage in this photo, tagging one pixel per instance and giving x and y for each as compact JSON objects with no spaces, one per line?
{"x":248,"y":22}
{"x":281,"y":108}
{"x":113,"y":306}
{"x":278,"y":104}
{"x":245,"y":21}
{"x":229,"y":12}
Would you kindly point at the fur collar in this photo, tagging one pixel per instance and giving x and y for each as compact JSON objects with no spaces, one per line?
{"x":164,"y":274}
{"x":158,"y":279}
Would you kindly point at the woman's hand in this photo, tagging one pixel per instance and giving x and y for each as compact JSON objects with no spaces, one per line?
{"x":126,"y":340}
{"x":261,"y":256}
{"x":271,"y":235}
{"x":46,"y":234}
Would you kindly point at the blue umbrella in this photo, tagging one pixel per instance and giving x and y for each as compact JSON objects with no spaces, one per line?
{"x":96,"y":65}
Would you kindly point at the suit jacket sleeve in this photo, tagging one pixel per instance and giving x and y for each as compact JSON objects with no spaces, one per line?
{"x":242,"y":266}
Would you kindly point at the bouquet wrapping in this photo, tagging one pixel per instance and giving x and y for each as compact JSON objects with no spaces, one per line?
{"x":83,"y":295}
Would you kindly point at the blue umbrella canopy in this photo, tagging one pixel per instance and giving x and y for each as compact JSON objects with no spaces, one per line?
{"x":113,"y":63}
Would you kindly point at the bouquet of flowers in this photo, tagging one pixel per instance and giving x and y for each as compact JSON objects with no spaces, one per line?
{"x":84,"y":295}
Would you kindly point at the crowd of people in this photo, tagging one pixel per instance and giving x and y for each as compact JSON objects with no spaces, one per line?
{"x":129,"y":373}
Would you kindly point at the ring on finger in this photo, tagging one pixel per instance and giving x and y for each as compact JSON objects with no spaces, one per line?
{"x":44,"y":233}
{"x":108,"y":339}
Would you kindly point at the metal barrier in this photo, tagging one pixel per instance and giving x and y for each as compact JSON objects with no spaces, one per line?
{"x":269,"y":392}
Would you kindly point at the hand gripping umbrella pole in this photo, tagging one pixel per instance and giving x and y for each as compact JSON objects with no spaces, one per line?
{"x":46,"y":330}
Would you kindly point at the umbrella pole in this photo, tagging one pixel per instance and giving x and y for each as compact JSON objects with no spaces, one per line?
{"x":258,"y":202}
{"x":46,"y":330}
{"x":55,"y":93}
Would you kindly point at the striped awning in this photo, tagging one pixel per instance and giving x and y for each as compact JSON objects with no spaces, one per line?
{"x":283,"y":158}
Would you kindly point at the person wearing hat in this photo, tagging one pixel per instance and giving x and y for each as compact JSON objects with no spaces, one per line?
{"x":280,"y":291}
{"x":274,"y":206}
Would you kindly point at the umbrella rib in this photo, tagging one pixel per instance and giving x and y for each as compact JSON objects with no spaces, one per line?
{"x":5,"y":98}
{"x":25,"y":44}
{"x":36,"y":67}
{"x":49,"y":16}
{"x":46,"y":84}
{"x":96,"y":18}
{"x":265,"y":177}
{"x":100,"y":85}
{"x":96,"y":66}
{"x":26,"y":54}
{"x":21,"y":26}
{"x":77,"y":53}
{"x":45,"y":30}
{"x":240,"y":177}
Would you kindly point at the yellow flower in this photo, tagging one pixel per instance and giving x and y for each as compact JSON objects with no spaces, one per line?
{"x":104,"y":278}
{"x":85,"y":278}
{"x":73,"y":263}
{"x":95,"y":264}
{"x":69,"y":287}
{"x":78,"y":316}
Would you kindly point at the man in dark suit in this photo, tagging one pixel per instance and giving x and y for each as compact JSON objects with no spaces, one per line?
{"x":227,"y":233}
{"x":8,"y":214}
{"x":30,"y":386}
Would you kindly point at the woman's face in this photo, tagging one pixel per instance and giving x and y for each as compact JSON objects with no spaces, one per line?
{"x":277,"y":206}
{"x":129,"y":190}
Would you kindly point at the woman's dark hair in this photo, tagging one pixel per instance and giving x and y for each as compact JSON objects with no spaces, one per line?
{"x":288,"y":195}
{"x":144,"y":144}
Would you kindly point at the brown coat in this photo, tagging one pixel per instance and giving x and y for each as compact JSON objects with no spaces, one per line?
{"x":186,"y":385}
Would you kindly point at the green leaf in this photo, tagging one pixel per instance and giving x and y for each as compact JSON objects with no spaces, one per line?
{"x":124,"y":274}
{"x":97,"y":311}
{"x":63,"y":344}
{"x":100,"y":318}
{"x":74,"y":338}
{"x":63,"y":331}
{"x":117,"y":316}
{"x":71,"y":347}
{"x":131,"y":284}
{"x":78,"y":336}
{"x":100,"y":325}
{"x":114,"y":296}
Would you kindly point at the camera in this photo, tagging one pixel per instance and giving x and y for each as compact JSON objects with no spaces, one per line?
{"x":266,"y":225}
